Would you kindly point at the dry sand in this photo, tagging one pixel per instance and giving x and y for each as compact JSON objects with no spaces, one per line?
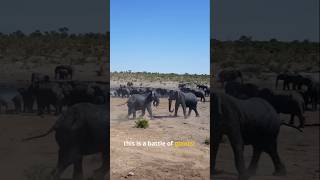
{"x":159,"y":162}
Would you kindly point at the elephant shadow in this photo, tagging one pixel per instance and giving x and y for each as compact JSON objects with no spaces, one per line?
{"x":222,"y":174}
{"x":164,"y":117}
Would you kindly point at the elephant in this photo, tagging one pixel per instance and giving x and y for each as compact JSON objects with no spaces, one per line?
{"x":201,"y":86}
{"x":315,"y":95}
{"x":28,"y":98}
{"x":199,"y":93}
{"x":185,"y":100}
{"x":142,"y":102}
{"x":241,"y":91}
{"x":63,"y":72}
{"x":38,"y":78}
{"x":295,"y":80}
{"x":229,"y":76}
{"x":288,"y":103}
{"x":83,"y":129}
{"x":246,"y":122}
{"x":162,"y":92}
{"x":129,"y":84}
{"x":124,"y":91}
{"x":11,"y":96}
{"x":207,"y":92}
{"x":49,"y":94}
{"x":81,"y":92}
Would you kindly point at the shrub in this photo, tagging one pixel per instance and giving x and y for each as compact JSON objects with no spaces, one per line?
{"x":142,"y":123}
{"x":207,"y":141}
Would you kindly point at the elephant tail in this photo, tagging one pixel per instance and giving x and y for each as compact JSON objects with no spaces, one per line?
{"x":292,"y":126}
{"x":42,"y":135}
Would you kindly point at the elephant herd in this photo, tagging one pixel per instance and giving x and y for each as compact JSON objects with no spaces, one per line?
{"x":249,"y":115}
{"x":142,"y":98}
{"x":82,"y":126}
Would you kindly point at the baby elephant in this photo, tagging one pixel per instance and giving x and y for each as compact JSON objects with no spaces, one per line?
{"x":142,"y":102}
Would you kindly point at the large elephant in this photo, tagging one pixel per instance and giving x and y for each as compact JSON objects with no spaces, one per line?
{"x":287,"y":103}
{"x":63,"y":72}
{"x":246,"y":122}
{"x":185,"y":100}
{"x":82,"y":130}
{"x":142,"y":102}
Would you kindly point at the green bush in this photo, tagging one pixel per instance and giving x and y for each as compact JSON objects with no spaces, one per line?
{"x":142,"y":123}
{"x":207,"y":141}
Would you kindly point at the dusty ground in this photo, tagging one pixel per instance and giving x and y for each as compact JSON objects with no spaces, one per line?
{"x":159,"y":162}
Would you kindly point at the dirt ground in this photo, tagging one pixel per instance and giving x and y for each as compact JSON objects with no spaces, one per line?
{"x":159,"y":162}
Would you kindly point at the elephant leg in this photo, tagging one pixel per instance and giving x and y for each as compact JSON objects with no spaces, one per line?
{"x":196,"y":111}
{"x":104,"y":169}
{"x":254,"y":161}
{"x":150,"y":111}
{"x":302,"y":121}
{"x":217,"y":136}
{"x":237,"y":144}
{"x":77,"y":169}
{"x":280,"y":169}
{"x":134,"y":113}
{"x":184,"y":110}
{"x":129,"y":112}
{"x":292,"y":119}
{"x":143,"y":112}
{"x":189,"y":111}
{"x":62,"y":165}
{"x":176,"y":109}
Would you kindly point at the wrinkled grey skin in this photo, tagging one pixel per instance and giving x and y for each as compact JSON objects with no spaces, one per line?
{"x":82,"y":130}
{"x":142,"y":102}
{"x":246,"y":122}
{"x":185,"y":100}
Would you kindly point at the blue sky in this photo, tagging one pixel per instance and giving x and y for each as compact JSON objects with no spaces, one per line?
{"x":170,"y":36}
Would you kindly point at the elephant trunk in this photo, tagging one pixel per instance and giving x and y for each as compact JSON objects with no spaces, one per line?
{"x":170,"y":102}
